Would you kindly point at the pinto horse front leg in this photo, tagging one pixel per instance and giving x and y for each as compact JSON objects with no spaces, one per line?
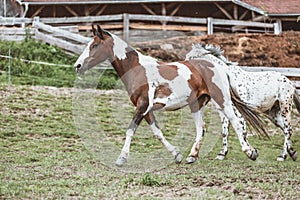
{"x":198,"y":119}
{"x":138,"y":116}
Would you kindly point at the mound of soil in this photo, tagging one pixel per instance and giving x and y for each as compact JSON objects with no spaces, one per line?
{"x":247,"y":49}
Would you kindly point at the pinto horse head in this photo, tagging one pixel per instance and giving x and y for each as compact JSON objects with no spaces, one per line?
{"x":97,"y":51}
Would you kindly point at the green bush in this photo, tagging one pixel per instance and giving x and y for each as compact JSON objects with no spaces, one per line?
{"x":29,"y":73}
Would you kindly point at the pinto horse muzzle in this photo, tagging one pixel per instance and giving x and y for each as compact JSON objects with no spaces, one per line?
{"x":79,"y":69}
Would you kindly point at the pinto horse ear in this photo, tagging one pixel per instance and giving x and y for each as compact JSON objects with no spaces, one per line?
{"x":100,"y":32}
{"x":94,"y":30}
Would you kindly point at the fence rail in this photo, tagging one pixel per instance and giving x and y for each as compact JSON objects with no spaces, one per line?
{"x":126,"y":18}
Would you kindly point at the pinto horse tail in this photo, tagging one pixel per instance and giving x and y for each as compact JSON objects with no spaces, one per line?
{"x":296,"y":100}
{"x":250,"y":114}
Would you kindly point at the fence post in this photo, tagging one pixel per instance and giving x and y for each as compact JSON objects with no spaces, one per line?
{"x":210,"y":29}
{"x":126,"y":27}
{"x":277,"y":27}
{"x":35,"y":28}
{"x":9,"y":57}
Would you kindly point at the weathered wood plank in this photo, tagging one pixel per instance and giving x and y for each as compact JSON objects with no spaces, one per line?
{"x":104,"y":26}
{"x":167,"y":18}
{"x":290,"y":72}
{"x":16,"y":38}
{"x":167,"y":27}
{"x":297,"y":83}
{"x":64,"y":33}
{"x":242,"y":23}
{"x":73,"y":29}
{"x":15,"y":31}
{"x":86,"y":19}
{"x":14,"y":20}
{"x":78,"y":49}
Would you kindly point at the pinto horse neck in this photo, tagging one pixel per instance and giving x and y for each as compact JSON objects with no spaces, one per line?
{"x":131,"y":65}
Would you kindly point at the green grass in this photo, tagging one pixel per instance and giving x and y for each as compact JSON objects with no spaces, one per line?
{"x":59,"y":144}
{"x":26,"y":68}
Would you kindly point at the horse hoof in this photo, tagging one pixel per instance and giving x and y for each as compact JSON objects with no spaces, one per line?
{"x":220,"y":157}
{"x":280,"y":159}
{"x":178,"y":158}
{"x":190,"y":160}
{"x":293,"y":155}
{"x":253,"y":154}
{"x":121,"y":161}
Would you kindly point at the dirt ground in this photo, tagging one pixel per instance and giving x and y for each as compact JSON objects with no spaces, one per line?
{"x":248,"y":49}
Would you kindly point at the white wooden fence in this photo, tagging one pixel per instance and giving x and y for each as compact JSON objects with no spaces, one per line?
{"x":127,"y":21}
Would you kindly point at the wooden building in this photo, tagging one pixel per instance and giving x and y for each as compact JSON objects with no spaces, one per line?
{"x":285,"y":12}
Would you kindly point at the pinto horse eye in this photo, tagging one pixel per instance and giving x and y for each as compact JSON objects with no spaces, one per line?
{"x":94,"y":46}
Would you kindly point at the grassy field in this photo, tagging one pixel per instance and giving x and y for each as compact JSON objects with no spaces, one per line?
{"x":61,"y":143}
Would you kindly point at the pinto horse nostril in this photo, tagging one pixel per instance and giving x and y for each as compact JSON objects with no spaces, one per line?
{"x":78,"y":66}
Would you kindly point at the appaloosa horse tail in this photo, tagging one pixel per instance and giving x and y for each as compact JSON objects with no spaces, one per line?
{"x":251,"y":115}
{"x":296,"y":101}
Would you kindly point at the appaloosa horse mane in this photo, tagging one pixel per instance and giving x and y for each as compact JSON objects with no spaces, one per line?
{"x":154,"y":85}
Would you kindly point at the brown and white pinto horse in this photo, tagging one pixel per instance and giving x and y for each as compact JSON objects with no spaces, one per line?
{"x":154,"y":85}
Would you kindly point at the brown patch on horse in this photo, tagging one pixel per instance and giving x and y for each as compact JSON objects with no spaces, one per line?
{"x":133,"y":76}
{"x":206,"y":63}
{"x":204,"y":71}
{"x":168,"y":72}
{"x":158,"y":106}
{"x":162,"y":91}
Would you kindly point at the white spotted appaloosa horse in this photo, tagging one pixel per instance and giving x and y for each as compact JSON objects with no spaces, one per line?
{"x":269,"y":92}
{"x":154,"y":85}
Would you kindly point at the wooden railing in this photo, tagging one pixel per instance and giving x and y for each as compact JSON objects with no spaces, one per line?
{"x":127,"y":21}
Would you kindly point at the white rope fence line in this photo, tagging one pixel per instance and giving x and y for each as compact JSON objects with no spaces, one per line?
{"x":99,"y":66}
{"x":35,"y":62}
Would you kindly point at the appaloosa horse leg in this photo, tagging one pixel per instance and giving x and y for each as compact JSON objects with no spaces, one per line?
{"x":225,"y":132}
{"x":283,"y":120}
{"x":238,"y":124}
{"x":150,"y":118}
{"x":225,"y":126}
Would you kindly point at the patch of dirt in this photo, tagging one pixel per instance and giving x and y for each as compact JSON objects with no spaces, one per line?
{"x":247,"y":49}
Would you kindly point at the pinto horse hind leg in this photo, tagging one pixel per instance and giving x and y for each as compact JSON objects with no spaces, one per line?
{"x":225,"y":126}
{"x":150,"y":118}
